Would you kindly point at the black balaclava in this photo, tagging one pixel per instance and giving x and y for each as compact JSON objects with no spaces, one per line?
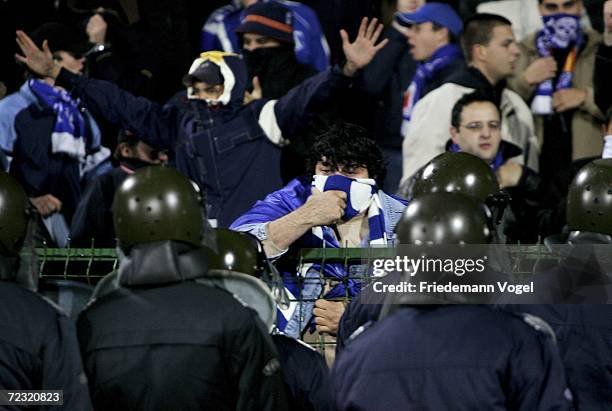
{"x":274,"y":66}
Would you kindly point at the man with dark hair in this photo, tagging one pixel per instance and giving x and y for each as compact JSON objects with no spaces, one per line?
{"x":476,"y":129}
{"x":340,"y":206}
{"x":491,"y":52}
{"x":555,"y":74}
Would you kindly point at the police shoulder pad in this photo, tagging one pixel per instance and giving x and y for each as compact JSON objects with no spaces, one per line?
{"x":539,"y":325}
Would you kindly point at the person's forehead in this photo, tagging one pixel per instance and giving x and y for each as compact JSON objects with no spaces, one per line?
{"x":560,"y":2}
{"x":422,"y":25}
{"x":252,"y":36}
{"x":203,"y":85}
{"x":480,"y":109}
{"x":350,"y":163}
{"x":608,"y":6}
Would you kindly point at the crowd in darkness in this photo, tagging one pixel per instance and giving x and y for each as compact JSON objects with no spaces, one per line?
{"x":316,"y":124}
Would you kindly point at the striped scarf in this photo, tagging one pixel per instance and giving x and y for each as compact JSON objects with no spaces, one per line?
{"x":560,"y":32}
{"x":310,"y":285}
{"x":68,"y":132}
{"x":442,"y":57}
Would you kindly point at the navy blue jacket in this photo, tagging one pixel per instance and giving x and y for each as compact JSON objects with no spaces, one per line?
{"x":583,"y":324}
{"x":232,"y":152}
{"x":39,"y":349}
{"x":584,"y":335}
{"x":454,"y":357}
{"x":305,"y":375}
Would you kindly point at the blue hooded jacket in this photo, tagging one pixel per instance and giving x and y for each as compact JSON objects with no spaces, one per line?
{"x":232,"y":151}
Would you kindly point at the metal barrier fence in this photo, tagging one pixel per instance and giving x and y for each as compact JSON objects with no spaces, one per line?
{"x":90,"y":265}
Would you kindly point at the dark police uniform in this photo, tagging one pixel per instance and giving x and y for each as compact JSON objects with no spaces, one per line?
{"x":453,"y":357}
{"x":38,"y":349}
{"x":155,"y":339}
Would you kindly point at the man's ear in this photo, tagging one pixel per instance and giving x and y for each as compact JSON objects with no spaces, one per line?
{"x":125,"y":150}
{"x":479,"y":52}
{"x":454,"y":134}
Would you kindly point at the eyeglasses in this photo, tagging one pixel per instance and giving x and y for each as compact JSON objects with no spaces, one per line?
{"x":479,"y":125}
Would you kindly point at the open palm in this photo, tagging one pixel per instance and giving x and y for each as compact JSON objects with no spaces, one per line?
{"x":361,"y":51}
{"x":38,"y":61}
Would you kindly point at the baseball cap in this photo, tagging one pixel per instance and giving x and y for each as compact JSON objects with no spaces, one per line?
{"x":208,"y":72}
{"x":440,"y":13}
{"x":267,"y":19}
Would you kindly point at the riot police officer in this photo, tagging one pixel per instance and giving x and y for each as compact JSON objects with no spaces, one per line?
{"x":153,"y":337}
{"x":241,"y":266}
{"x":38,"y":346}
{"x":431,"y":355}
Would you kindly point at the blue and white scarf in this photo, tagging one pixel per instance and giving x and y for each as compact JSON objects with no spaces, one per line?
{"x":68,"y":132}
{"x":497,"y":162}
{"x":309,"y":288}
{"x":561,"y":31}
{"x":442,"y":57}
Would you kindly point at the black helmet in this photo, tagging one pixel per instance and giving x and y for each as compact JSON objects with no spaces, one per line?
{"x":13,"y":215}
{"x":589,"y":200}
{"x":445,"y":218}
{"x":454,"y":172}
{"x":237,"y":251}
{"x":157,"y":204}
{"x":241,"y":267}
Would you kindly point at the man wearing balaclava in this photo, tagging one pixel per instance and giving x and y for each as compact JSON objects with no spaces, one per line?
{"x":338,"y":205}
{"x":266,"y":34}
{"x":555,"y":74}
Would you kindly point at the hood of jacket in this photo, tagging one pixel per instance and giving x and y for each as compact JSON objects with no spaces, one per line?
{"x":234,"y":74}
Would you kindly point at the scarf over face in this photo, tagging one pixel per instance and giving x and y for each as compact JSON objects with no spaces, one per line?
{"x":560,"y":32}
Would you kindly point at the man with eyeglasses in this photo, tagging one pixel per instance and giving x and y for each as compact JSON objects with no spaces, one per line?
{"x":555,"y":74}
{"x":476,"y":129}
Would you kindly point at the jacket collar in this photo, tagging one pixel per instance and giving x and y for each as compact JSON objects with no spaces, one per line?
{"x":162,"y":262}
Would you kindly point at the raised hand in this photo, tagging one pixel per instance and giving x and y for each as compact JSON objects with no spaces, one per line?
{"x":38,"y":61}
{"x":96,"y":29}
{"x":360,"y":52}
{"x":256,"y":94}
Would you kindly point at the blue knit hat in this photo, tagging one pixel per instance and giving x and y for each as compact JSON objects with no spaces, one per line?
{"x":267,"y":19}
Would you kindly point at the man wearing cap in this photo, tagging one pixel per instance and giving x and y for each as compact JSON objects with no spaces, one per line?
{"x":433,"y":31}
{"x":49,"y":136}
{"x":311,"y":47}
{"x":266,"y":34}
{"x":229,"y":149}
{"x":491,"y":52}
